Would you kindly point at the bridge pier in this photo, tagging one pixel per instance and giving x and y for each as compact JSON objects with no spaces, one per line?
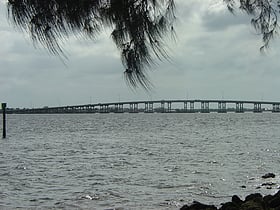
{"x":204,"y":107}
{"x":222,"y":107}
{"x":239,"y":107}
{"x":88,"y":110}
{"x":149,"y":107}
{"x":95,"y":109}
{"x":133,"y":108}
{"x":91,"y":109}
{"x":82,"y":109}
{"x":65,"y":110}
{"x":162,"y":107}
{"x":185,"y":106}
{"x":275,"y":107}
{"x":169,"y":107}
{"x":118,"y":108}
{"x":192,"y":110}
{"x":257,"y":107}
{"x":72,"y":109}
{"x":104,"y":109}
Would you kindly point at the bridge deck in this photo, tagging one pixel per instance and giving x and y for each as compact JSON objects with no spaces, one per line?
{"x":189,"y":106}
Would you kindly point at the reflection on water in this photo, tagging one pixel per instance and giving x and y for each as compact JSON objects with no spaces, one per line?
{"x":135,"y":161}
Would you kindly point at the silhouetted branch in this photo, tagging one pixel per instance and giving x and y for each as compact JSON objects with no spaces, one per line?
{"x":265,"y":16}
{"x":138,"y":27}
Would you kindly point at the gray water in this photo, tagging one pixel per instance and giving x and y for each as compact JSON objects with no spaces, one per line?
{"x":136,"y":161}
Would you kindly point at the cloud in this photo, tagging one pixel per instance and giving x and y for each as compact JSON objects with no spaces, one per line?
{"x":218,"y":52}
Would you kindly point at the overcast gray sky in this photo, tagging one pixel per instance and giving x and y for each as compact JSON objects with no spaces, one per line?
{"x":216,"y":56}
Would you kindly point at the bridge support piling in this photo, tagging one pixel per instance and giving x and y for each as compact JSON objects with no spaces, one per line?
{"x":222,"y":107}
{"x":107,"y":109}
{"x":91,"y":109}
{"x":204,"y":107}
{"x":121,"y":108}
{"x":118,"y":108}
{"x":239,"y":107}
{"x":149,"y":107}
{"x":192,"y":107}
{"x":133,"y":108}
{"x":169,"y":107}
{"x":162,"y":108}
{"x":104,"y":109}
{"x":185,"y":106}
{"x":257,"y":107}
{"x":276,"y":108}
{"x":146,"y":107}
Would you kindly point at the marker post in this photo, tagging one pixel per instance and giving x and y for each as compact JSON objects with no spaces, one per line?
{"x":4,"y":105}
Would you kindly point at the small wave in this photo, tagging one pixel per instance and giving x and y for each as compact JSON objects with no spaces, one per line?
{"x":166,"y":186}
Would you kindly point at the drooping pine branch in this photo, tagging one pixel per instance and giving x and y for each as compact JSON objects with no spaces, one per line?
{"x":265,"y":16}
{"x":139,"y":27}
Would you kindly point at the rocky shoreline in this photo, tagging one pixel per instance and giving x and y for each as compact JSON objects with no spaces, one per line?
{"x":254,"y":201}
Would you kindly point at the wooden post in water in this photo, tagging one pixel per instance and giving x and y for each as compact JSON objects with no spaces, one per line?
{"x":4,"y":105}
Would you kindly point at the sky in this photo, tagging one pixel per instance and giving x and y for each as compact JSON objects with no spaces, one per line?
{"x":215,"y":56}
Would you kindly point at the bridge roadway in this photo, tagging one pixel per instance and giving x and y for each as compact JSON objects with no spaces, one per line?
{"x":163,"y":106}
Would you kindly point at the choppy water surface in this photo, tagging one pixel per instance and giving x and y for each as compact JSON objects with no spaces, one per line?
{"x":135,"y":161}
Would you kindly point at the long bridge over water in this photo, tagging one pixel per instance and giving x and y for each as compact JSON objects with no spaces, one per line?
{"x":159,"y":106}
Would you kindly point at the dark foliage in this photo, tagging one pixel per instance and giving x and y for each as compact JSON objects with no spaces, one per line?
{"x":138,"y":26}
{"x":265,"y":15}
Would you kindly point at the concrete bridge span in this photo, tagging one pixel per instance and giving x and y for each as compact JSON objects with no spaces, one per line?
{"x":160,"y":106}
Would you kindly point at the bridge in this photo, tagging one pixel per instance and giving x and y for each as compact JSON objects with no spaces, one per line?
{"x":159,"y":106}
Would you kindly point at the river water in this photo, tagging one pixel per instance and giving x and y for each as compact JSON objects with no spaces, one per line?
{"x":136,"y":161}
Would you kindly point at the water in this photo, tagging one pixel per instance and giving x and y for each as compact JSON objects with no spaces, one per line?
{"x":135,"y":161}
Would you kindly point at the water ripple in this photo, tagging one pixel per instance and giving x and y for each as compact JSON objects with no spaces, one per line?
{"x":143,"y":161}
